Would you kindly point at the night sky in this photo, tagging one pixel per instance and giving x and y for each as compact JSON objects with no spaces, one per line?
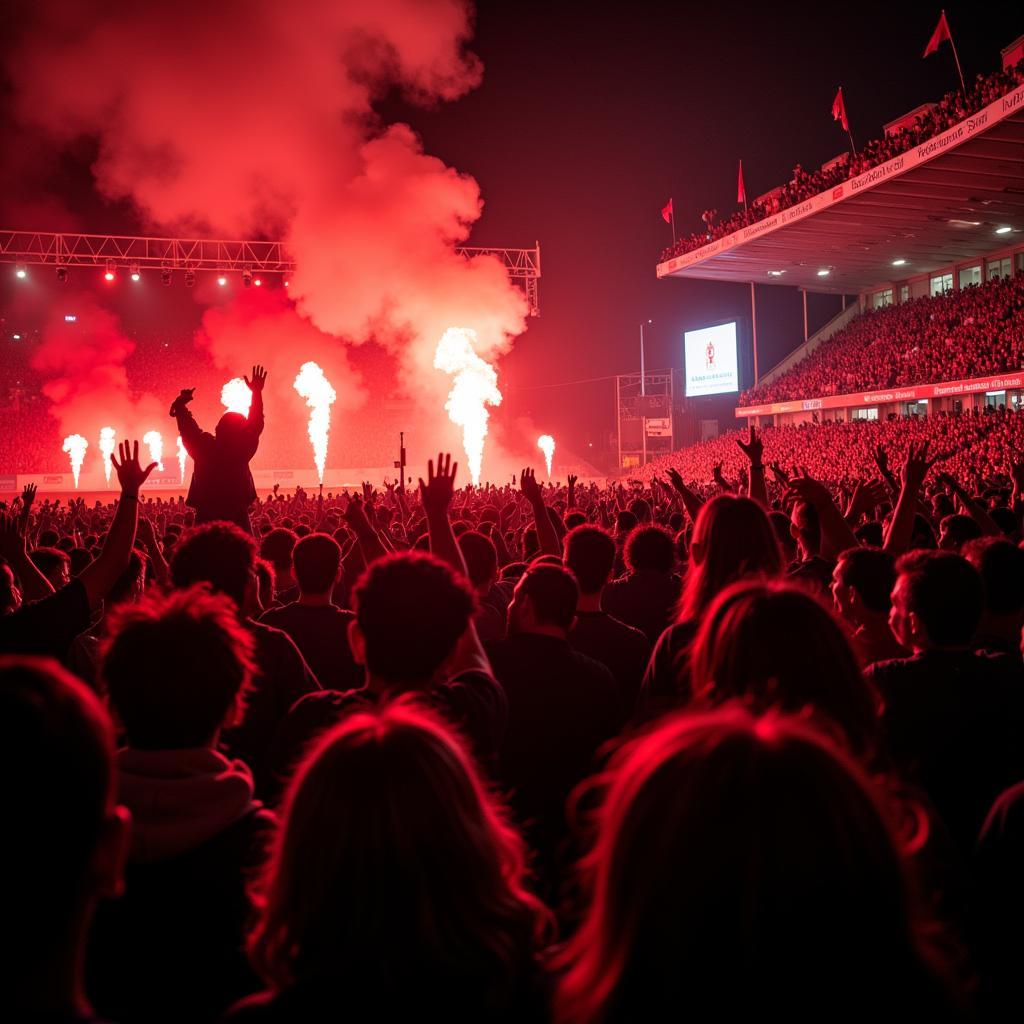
{"x":588,"y":119}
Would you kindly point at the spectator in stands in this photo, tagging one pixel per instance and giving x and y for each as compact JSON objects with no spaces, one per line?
{"x":806,"y":897}
{"x":318,"y":627}
{"x":65,"y":847}
{"x":952,"y":719}
{"x":562,"y":705}
{"x":732,"y":539}
{"x":223,"y":556}
{"x":645,"y":596}
{"x":177,"y":669}
{"x":589,"y":556}
{"x":396,"y":889}
{"x":1001,"y":567}
{"x":54,"y":564}
{"x":277,"y":548}
{"x":862,"y":583}
{"x":493,"y":596}
{"x":222,"y":487}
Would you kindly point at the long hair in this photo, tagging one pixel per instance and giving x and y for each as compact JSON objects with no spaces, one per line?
{"x":732,"y":538}
{"x":772,"y":644}
{"x":394,"y":866}
{"x":743,"y":866}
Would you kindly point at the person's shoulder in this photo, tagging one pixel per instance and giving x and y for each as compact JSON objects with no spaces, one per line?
{"x":624,"y":630}
{"x":260,"y":1008}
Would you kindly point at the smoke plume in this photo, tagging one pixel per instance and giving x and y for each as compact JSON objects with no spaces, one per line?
{"x":259,"y":120}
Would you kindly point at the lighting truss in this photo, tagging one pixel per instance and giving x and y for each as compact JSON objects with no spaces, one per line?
{"x":198,"y":254}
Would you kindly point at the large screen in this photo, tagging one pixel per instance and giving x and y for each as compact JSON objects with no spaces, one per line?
{"x":711,"y":360}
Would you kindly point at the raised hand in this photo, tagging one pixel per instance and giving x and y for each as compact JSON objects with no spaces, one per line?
{"x":146,"y":532}
{"x":754,"y":447}
{"x":805,"y":488}
{"x":881,"y":459}
{"x":781,"y":476}
{"x":258,"y":379}
{"x":184,"y":397}
{"x":916,"y":465}
{"x":529,"y":486}
{"x":437,"y":492}
{"x":130,"y":474}
{"x":28,"y":495}
{"x":867,"y":494}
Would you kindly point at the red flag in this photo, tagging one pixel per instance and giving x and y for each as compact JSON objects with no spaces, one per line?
{"x":741,"y":192}
{"x":839,"y":110}
{"x":666,"y":212}
{"x":940,"y":35}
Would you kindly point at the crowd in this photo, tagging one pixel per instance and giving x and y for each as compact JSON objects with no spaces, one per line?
{"x":953,"y":108}
{"x":971,"y":332}
{"x":736,"y":739}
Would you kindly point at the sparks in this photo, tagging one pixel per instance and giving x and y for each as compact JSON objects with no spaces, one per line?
{"x":235,"y":396}
{"x":316,"y":389}
{"x":182,"y":456}
{"x":156,"y":447}
{"x":75,"y":445}
{"x":107,"y":448}
{"x":546,"y":443}
{"x":475,"y":386}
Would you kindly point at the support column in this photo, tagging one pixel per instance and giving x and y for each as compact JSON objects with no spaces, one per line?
{"x":753,"y":324}
{"x":803,"y":292}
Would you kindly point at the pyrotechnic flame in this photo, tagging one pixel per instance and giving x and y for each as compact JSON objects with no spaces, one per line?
{"x":235,"y":396}
{"x":75,"y":445}
{"x":316,"y":389}
{"x":156,"y":447}
{"x":546,"y":443}
{"x":107,"y":447}
{"x":182,"y":456}
{"x":474,"y":388}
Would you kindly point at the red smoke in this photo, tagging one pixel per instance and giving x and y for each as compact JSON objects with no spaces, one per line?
{"x":258,"y":119}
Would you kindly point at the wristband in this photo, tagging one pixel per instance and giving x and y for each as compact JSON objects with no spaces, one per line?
{"x":129,"y":497}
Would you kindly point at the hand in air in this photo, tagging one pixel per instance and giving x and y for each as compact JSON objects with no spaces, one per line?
{"x":258,"y":379}
{"x":130,"y":473}
{"x":437,"y":492}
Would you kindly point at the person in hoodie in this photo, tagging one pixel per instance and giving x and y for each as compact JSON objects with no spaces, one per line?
{"x":176,"y":669}
{"x":222,"y":486}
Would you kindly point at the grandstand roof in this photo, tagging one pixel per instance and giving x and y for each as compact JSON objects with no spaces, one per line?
{"x":934,"y":205}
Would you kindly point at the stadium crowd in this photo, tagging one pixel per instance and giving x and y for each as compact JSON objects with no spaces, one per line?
{"x":953,"y":108}
{"x":741,"y":738}
{"x":970,"y":332}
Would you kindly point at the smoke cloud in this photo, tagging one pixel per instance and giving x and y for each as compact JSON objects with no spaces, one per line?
{"x":258,"y":120}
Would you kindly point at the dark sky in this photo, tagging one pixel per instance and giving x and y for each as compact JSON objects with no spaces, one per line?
{"x":590,"y":117}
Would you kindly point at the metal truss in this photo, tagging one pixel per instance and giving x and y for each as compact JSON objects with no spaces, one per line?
{"x":62,"y":249}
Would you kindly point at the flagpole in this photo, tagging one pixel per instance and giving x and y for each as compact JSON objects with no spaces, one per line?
{"x":956,"y":57}
{"x":848,"y":132}
{"x":672,"y":213}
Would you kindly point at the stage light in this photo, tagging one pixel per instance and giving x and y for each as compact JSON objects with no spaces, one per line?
{"x":109,"y":274}
{"x":190,"y":278}
{"x":70,"y":318}
{"x":20,"y":272}
{"x":222,"y":280}
{"x":287,"y":283}
{"x":775,"y":273}
{"x":246,"y":278}
{"x":1004,"y":230}
{"x":256,"y":282}
{"x":166,"y":276}
{"x":899,"y":263}
{"x":62,"y":274}
{"x":136,"y":276}
{"x":16,"y":337}
{"x":824,"y":272}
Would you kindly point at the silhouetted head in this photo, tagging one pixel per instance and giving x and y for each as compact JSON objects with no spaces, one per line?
{"x":743,"y":863}
{"x":231,"y":429}
{"x":394,"y":865}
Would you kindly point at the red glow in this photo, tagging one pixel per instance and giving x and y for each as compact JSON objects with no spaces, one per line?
{"x":222,"y":281}
{"x":256,"y":282}
{"x":108,"y":276}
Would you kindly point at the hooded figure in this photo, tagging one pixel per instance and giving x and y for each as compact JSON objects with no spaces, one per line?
{"x":222,"y":487}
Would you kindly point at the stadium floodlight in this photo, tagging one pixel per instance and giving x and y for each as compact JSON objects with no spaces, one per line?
{"x":190,"y":278}
{"x":824,"y":272}
{"x":20,"y":272}
{"x":166,"y":276}
{"x":899,"y":263}
{"x":222,"y":280}
{"x":136,"y":276}
{"x":62,"y":274}
{"x":775,"y":273}
{"x":1004,"y":230}
{"x":16,"y":337}
{"x":256,"y":282}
